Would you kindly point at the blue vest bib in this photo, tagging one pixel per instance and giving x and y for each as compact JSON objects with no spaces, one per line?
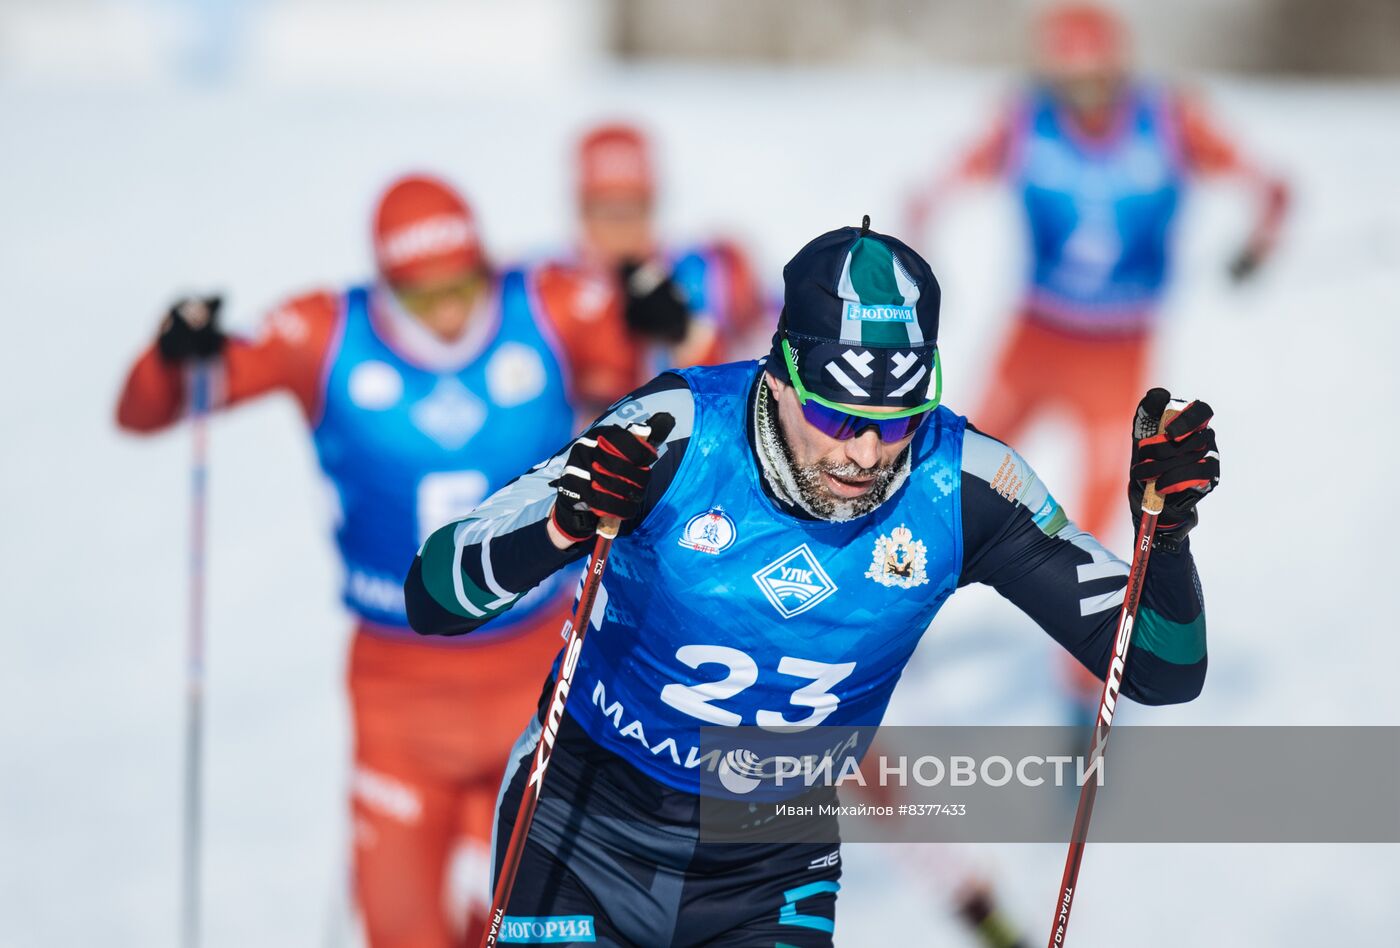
{"x":408,"y":449}
{"x":704,"y":281}
{"x":1099,"y":212}
{"x":721,"y":609}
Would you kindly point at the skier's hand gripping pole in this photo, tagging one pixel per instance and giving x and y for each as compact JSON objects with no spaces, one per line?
{"x":605,"y":475}
{"x":1174,"y":464}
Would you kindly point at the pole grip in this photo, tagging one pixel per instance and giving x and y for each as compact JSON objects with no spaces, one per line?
{"x":1152,"y":501}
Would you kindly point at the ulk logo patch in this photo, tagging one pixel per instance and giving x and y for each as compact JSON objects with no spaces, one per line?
{"x":794,"y":582}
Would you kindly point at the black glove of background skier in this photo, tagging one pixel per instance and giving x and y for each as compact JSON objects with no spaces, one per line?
{"x":1182,"y":459}
{"x":191,"y":330}
{"x":1246,"y":263}
{"x":655,"y":307}
{"x":605,"y":475}
{"x":1258,"y":248}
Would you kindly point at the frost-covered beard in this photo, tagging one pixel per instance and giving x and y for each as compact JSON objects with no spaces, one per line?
{"x":801,"y":484}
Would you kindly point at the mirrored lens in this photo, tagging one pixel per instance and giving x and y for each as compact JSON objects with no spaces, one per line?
{"x":842,"y":425}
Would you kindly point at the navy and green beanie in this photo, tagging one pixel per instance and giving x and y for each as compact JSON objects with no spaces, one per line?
{"x":860,"y":315}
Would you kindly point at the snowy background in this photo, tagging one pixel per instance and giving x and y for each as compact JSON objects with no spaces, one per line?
{"x":128,"y":176}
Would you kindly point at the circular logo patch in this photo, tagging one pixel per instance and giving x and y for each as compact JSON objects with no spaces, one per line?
{"x":375,"y":386}
{"x":710,"y":532}
{"x":515,"y":375}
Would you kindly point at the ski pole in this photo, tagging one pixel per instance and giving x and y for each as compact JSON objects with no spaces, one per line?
{"x":1147,"y":529}
{"x":578,"y":625}
{"x":577,"y":628}
{"x":200,"y":384}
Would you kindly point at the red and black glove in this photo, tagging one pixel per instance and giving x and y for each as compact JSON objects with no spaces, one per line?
{"x":191,"y":330}
{"x":606,"y":475}
{"x":1181,"y":458}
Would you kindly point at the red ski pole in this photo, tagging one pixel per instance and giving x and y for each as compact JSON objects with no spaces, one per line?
{"x":1147,"y":528}
{"x":578,"y":626}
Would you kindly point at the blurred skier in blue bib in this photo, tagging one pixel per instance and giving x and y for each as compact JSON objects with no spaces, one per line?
{"x":423,"y":390}
{"x":680,"y":304}
{"x":785,"y":543}
{"x":1101,"y":162}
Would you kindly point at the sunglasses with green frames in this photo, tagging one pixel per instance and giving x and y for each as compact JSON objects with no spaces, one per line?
{"x":842,"y":422}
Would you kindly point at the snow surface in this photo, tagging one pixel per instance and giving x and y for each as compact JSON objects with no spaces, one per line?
{"x":114,"y":199}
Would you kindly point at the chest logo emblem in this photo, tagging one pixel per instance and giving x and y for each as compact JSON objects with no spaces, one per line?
{"x":375,"y":385}
{"x":710,"y":532}
{"x":794,"y":582}
{"x":449,"y":414}
{"x":515,"y":375}
{"x":899,"y":560}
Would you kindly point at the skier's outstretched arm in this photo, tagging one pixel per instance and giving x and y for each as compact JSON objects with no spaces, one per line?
{"x":1019,"y":540}
{"x":286,"y":355}
{"x":1209,"y":152}
{"x":984,"y":160}
{"x":474,"y":569}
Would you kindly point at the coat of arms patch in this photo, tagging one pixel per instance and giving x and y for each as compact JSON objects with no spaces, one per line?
{"x":899,"y":560}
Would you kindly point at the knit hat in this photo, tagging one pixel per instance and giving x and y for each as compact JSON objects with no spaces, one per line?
{"x":859,"y":325}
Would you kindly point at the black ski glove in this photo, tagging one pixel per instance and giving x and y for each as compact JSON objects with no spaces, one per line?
{"x":1182,"y":459}
{"x":191,"y":330}
{"x":1246,"y":263}
{"x":606,"y":475}
{"x":655,"y":307}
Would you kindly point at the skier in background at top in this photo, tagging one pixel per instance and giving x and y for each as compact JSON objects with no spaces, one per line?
{"x":425,"y":391}
{"x":681,"y":305}
{"x":1100,"y":160}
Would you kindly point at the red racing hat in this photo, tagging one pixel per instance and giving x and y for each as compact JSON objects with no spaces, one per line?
{"x":615,"y":159}
{"x":1078,"y":37}
{"x":424,"y":230}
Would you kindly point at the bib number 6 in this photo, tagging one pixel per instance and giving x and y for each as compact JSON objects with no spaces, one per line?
{"x":698,"y":700}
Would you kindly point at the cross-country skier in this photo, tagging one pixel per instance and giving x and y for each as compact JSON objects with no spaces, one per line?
{"x":682,"y":305}
{"x":1100,"y":160}
{"x":424,"y":391}
{"x":848,"y":504}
